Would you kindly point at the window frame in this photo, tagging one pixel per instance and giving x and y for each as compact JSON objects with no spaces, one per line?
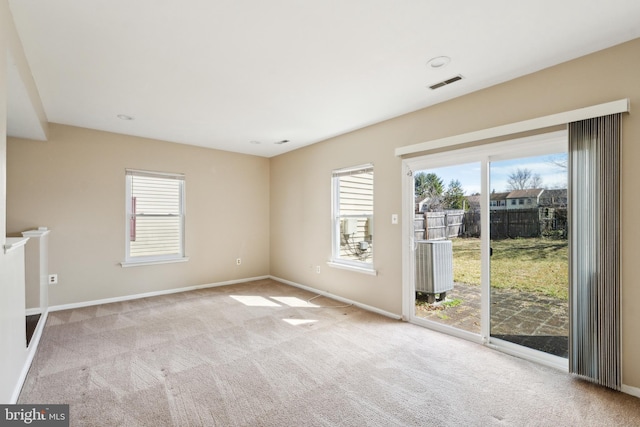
{"x":336,"y":259}
{"x":131,"y":261}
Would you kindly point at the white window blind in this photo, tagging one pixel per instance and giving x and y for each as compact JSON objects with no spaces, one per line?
{"x":155,"y":216}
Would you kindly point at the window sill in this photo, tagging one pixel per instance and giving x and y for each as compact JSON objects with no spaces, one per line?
{"x":342,"y":266}
{"x":126,"y":264}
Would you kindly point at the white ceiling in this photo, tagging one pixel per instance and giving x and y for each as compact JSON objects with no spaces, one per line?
{"x":222,"y":73}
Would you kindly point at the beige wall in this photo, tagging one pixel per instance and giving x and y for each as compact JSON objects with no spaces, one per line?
{"x":75,"y":184}
{"x":301,"y":217}
{"x":300,"y":180}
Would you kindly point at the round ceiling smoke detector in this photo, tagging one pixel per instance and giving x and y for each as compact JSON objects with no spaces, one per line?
{"x":439,"y":62}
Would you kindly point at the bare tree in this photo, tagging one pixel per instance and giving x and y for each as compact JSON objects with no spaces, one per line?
{"x":521,"y":179}
{"x":559,"y":161}
{"x":536,"y":181}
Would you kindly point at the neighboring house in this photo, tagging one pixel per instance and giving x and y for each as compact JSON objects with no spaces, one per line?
{"x":420,"y":204}
{"x":498,"y":201}
{"x":521,"y":199}
{"x":553,"y":206}
{"x":524,"y":199}
{"x":554,"y":198}
{"x":429,"y":204}
{"x":529,"y":199}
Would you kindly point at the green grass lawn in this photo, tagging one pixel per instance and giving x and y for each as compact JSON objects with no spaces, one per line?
{"x":535,"y":265}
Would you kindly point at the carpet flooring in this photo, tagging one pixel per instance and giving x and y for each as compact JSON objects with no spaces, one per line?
{"x":266,"y":354}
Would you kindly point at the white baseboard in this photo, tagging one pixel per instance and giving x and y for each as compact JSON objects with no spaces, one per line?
{"x":151,"y":294}
{"x":633,"y":391}
{"x":31,"y":352}
{"x":339,"y":298}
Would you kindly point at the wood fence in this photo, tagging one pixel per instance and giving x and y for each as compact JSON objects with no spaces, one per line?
{"x":439,"y":225}
{"x":503,"y":224}
{"x":514,"y":223}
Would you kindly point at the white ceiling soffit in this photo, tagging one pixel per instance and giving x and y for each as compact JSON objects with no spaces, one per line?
{"x":242,"y":75}
{"x":22,"y":118}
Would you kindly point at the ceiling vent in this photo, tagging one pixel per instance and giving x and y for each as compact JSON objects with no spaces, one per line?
{"x":446,"y":82}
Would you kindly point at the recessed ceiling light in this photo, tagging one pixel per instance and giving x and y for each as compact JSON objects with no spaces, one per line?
{"x":284,"y":141}
{"x":255,"y":142}
{"x":439,"y":62}
{"x":125,"y":117}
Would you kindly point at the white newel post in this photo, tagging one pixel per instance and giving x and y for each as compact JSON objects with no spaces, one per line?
{"x":37,"y":271}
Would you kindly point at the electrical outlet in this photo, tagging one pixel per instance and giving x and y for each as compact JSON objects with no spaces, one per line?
{"x":238,"y":261}
{"x":394,"y":218}
{"x":53,"y":279}
{"x":318,"y":269}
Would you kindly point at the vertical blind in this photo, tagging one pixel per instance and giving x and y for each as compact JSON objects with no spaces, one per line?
{"x":594,"y":339}
{"x":155,"y":214}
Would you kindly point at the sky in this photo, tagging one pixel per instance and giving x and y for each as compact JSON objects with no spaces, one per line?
{"x":469,"y":174}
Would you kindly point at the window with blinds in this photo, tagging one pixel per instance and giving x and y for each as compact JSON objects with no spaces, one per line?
{"x":155,"y":216}
{"x":353,"y":216}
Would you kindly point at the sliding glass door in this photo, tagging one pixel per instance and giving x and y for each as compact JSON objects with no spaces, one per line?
{"x":489,"y":253}
{"x":447,"y":246}
{"x":529,"y":276}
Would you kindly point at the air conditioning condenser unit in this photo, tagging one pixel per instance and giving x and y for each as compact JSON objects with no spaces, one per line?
{"x":434,"y":267}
